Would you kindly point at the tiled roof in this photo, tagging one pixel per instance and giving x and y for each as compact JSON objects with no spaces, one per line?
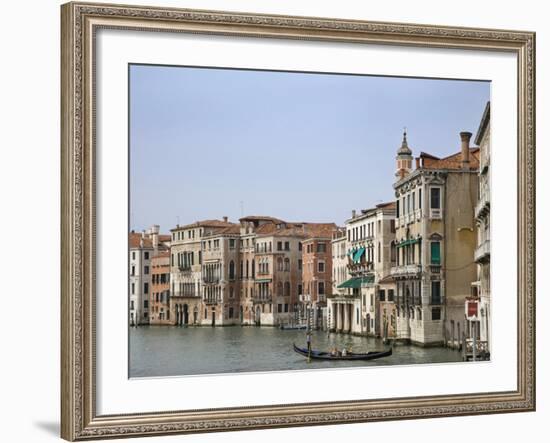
{"x":204,"y":224}
{"x":135,"y":241}
{"x":260,"y":218}
{"x":233,"y":229}
{"x":303,"y":230}
{"x":453,"y":161}
{"x":386,"y":205}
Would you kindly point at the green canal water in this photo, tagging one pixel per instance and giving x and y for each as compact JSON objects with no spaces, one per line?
{"x":157,"y":351}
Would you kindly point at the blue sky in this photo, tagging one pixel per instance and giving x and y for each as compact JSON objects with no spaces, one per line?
{"x":205,"y":143}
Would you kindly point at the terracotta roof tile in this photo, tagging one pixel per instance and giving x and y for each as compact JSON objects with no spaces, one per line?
{"x":453,"y":161}
{"x":205,"y":224}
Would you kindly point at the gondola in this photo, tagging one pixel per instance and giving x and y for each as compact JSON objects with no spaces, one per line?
{"x":321,"y":355}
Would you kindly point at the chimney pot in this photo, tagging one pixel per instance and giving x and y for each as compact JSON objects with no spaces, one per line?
{"x":353,"y":212}
{"x":465,"y":148}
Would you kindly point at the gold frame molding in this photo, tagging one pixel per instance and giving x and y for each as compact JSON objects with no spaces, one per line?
{"x":79,"y":22}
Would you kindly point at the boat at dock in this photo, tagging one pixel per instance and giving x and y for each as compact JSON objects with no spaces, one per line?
{"x":290,"y":327}
{"x":323,"y":355}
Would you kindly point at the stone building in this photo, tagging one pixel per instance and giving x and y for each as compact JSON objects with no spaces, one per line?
{"x":436,"y":238}
{"x":159,"y":299}
{"x":220,"y":276}
{"x":142,"y":247}
{"x":370,"y":238}
{"x":186,"y":292}
{"x":316,"y":265}
{"x":482,"y":253}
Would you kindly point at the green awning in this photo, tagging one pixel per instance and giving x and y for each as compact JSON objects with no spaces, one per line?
{"x":263,"y":280}
{"x":411,"y":241}
{"x":358,"y":254}
{"x":356,"y":282}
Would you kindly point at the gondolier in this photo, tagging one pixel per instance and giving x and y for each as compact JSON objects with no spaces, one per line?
{"x":322,"y":355}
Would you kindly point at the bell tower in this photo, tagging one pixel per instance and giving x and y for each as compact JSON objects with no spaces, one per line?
{"x":403,"y":159}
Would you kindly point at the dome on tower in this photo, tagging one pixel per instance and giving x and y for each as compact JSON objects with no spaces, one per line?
{"x":404,"y":149}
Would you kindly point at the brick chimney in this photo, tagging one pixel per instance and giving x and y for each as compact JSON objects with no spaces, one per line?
{"x":225,"y":218}
{"x":353,"y":213}
{"x":465,"y":148}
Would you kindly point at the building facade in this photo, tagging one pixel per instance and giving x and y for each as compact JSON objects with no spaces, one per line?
{"x":142,"y":247}
{"x":370,"y":234}
{"x":159,"y":299}
{"x":220,"y":277}
{"x":435,"y":240}
{"x":316,"y":265}
{"x":186,"y":257}
{"x":482,"y":254}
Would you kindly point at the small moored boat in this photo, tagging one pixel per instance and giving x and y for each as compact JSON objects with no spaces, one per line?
{"x":290,"y":327}
{"x":322,"y":355}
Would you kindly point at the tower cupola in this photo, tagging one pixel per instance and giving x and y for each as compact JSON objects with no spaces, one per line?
{"x":403,"y":159}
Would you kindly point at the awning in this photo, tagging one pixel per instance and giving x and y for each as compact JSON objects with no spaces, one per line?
{"x":358,"y":254}
{"x":263,"y":280}
{"x":411,"y":241}
{"x":356,"y":282}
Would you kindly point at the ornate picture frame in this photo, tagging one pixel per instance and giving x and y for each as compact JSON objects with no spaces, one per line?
{"x":80,"y":22}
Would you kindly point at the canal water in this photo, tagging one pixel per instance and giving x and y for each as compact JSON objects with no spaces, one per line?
{"x":157,"y":351}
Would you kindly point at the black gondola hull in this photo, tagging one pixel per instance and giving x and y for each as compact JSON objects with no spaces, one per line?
{"x":320,"y":355}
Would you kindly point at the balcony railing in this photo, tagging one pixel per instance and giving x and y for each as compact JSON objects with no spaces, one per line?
{"x":483,"y":252}
{"x":265,"y":298}
{"x":212,"y":300}
{"x":405,"y":270}
{"x":483,"y":205}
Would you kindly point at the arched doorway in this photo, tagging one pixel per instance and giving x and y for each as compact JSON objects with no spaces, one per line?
{"x":258,"y":317}
{"x":213,"y":316}
{"x":195,"y":315}
{"x":185,"y":314}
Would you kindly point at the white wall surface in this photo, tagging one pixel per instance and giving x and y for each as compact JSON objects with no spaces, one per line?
{"x":29,"y":193}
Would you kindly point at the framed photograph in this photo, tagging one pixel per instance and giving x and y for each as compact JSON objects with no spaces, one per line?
{"x":275,"y":221}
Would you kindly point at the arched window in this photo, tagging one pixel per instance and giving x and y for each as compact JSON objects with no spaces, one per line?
{"x":253,"y":269}
{"x":287,"y":264}
{"x":231,"y":270}
{"x":279,"y":264}
{"x":279,"y":289}
{"x":287,"y":289}
{"x":231,"y":292}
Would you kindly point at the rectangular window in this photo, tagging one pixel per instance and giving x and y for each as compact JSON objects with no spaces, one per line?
{"x":420,"y":199}
{"x":145,"y":304}
{"x":279,"y":246}
{"x":435,"y":198}
{"x":382,"y":294}
{"x":133,"y":288}
{"x":287,"y":246}
{"x":321,"y":266}
{"x":436,"y":313}
{"x":132,"y":305}
{"x":146,"y":255}
{"x":279,"y":307}
{"x":300,"y":289}
{"x":146,"y":288}
{"x":436,"y":292}
{"x":391,"y":295}
{"x":321,"y":288}
{"x":231,"y":243}
{"x":321,"y":247}
{"x":146,"y":270}
{"x":133,"y":255}
{"x":435,"y":249}
{"x":396,"y":209}
{"x":413,"y":201}
{"x":299,"y":246}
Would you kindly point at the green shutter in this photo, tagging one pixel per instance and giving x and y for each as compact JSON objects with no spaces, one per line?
{"x":436,"y":253}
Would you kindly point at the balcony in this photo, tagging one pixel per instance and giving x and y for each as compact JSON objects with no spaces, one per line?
{"x":259,"y":299}
{"x":435,"y":268}
{"x":482,"y":254}
{"x":483,"y":206}
{"x":436,"y":213}
{"x":212,"y":300}
{"x":406,"y":271}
